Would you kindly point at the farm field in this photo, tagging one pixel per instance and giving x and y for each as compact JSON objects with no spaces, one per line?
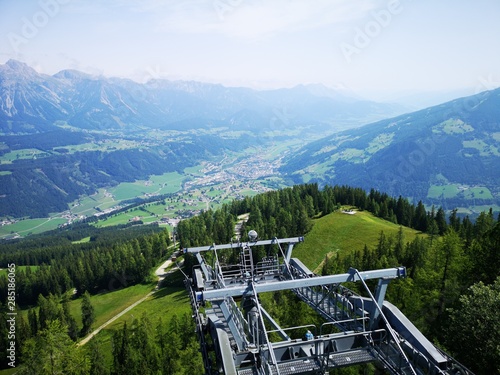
{"x":30,"y":226}
{"x":87,"y":205}
{"x":28,"y":153}
{"x":161,"y":184}
{"x":452,"y":190}
{"x":102,"y":200}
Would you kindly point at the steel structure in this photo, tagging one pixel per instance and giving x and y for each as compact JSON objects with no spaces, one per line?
{"x":235,"y":338}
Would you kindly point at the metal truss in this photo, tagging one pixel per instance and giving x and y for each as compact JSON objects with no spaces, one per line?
{"x":235,"y":338}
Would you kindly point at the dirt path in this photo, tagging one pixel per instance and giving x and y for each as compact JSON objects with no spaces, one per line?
{"x":160,"y":272}
{"x":97,"y":330}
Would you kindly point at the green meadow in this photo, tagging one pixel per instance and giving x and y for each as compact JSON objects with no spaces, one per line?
{"x":163,"y":304}
{"x":109,"y":303}
{"x":18,"y":268}
{"x":28,"y":153}
{"x":343,"y":232}
{"x":443,"y":191}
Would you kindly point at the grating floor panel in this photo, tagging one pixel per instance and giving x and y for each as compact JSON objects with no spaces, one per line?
{"x":350,"y":358}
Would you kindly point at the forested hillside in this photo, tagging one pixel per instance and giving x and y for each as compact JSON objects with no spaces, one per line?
{"x":445,"y":155}
{"x":453,"y":271}
{"x":91,"y":266}
{"x":36,"y":187}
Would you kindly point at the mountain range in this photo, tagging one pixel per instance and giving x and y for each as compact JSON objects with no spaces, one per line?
{"x":448,"y":155}
{"x":31,"y":103}
{"x":66,"y":135}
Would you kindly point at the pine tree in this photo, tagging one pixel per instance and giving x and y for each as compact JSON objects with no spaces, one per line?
{"x":88,"y":315}
{"x":97,"y":359}
{"x":33,"y":321}
{"x":122,"y":351}
{"x":53,"y":352}
{"x":69,"y":320}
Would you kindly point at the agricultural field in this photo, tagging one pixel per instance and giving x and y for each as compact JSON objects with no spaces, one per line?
{"x":179,"y":205}
{"x":444,"y":191}
{"x":478,"y":193}
{"x":29,"y":153}
{"x":156,"y":185}
{"x":452,"y":190}
{"x":313,"y":170}
{"x":197,"y":188}
{"x":87,"y":205}
{"x":30,"y":226}
{"x":453,"y":126}
{"x":483,"y":148}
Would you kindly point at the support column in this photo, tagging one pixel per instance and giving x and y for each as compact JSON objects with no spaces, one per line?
{"x":379,"y":299}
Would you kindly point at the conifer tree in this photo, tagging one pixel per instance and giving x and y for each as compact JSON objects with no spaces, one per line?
{"x":69,"y":320}
{"x":97,"y":359}
{"x":53,"y":352}
{"x":88,"y":315}
{"x":474,"y":332}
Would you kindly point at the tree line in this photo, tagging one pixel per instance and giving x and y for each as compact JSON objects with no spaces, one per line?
{"x":289,"y":212}
{"x":144,"y":347}
{"x":101,"y":264}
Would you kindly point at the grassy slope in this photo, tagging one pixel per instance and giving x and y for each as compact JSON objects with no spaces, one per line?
{"x":170,"y":300}
{"x":107,"y":305}
{"x":343,"y":232}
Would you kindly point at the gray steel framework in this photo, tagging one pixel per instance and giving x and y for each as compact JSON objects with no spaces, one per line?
{"x":244,"y":339}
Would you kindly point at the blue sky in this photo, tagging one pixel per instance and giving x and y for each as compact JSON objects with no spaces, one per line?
{"x":371,"y":47}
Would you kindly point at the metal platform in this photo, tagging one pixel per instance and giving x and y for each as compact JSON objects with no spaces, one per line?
{"x":234,"y":336}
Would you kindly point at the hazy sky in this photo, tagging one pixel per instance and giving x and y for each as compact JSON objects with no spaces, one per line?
{"x":367,"y":46}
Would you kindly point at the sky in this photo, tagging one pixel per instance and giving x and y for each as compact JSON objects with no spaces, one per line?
{"x":374,"y":48}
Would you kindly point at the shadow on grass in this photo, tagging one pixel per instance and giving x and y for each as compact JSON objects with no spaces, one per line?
{"x":168,"y":291}
{"x":103,"y":292}
{"x":174,"y":283}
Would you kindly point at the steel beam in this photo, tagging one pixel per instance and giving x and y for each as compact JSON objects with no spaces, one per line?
{"x":237,"y":245}
{"x":244,"y":290}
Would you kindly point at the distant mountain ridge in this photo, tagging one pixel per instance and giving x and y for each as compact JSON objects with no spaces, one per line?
{"x":447,"y":155}
{"x":31,"y":102}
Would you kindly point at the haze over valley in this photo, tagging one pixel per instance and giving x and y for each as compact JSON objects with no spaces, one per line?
{"x":104,"y":103}
{"x":73,"y":135}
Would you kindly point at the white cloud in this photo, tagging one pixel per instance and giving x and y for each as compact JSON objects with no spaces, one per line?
{"x":259,"y":18}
